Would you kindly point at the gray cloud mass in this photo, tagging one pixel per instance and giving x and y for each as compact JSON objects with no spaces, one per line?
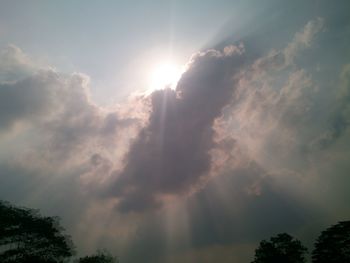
{"x":171,"y":154}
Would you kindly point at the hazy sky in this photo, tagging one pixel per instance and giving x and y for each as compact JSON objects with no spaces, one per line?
{"x":252,"y":140}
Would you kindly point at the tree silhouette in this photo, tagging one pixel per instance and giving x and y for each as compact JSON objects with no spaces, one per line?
{"x":28,"y":237}
{"x":100,"y":257}
{"x":333,"y":245}
{"x":282,"y":248}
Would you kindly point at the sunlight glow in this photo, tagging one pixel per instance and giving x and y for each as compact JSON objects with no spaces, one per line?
{"x":165,"y":75}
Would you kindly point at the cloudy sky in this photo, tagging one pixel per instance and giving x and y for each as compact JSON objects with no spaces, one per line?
{"x":177,"y":131}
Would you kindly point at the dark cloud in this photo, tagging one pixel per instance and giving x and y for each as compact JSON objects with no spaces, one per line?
{"x":171,"y":154}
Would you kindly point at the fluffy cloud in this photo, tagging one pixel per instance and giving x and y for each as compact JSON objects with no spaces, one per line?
{"x":171,"y":154}
{"x":57,"y":146}
{"x":52,"y":133}
{"x":275,"y":104}
{"x":58,"y":107}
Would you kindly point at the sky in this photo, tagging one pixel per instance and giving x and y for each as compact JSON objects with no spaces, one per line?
{"x":177,"y":131}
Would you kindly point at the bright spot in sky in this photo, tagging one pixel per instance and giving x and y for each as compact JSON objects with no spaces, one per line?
{"x":165,"y":75}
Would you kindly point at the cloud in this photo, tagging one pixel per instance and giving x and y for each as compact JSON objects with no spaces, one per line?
{"x":78,"y":124}
{"x":266,"y":167}
{"x":241,"y":150}
{"x":280,"y":59}
{"x":303,"y":39}
{"x":58,"y":107}
{"x":254,"y":131}
{"x":57,"y":147}
{"x":54,"y":138}
{"x":275,"y":104}
{"x":15,"y":64}
{"x":171,"y":156}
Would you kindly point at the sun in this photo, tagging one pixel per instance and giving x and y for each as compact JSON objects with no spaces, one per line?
{"x":165,"y":75}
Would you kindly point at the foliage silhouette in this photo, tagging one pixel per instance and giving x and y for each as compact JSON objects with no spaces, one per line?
{"x":333,"y":245}
{"x":282,"y":248}
{"x":100,"y":257}
{"x":28,"y":237}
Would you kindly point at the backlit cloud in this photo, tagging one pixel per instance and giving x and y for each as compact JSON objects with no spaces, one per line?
{"x":171,"y":156}
{"x":250,"y":143}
